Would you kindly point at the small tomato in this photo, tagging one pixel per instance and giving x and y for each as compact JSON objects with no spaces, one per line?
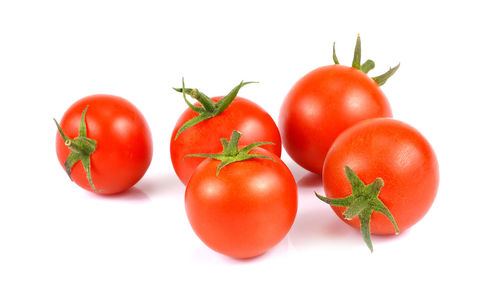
{"x":104,"y":144}
{"x":380,"y":175}
{"x":241,"y":202}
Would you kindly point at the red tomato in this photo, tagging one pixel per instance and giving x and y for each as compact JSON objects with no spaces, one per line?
{"x":399,"y":155}
{"x":124,"y":145}
{"x":242,"y":115}
{"x":244,"y":210}
{"x":324,"y":103}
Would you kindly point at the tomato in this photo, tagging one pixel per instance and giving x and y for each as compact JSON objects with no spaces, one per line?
{"x":402,"y":160}
{"x":241,"y":114}
{"x":119,"y":140}
{"x":245,"y":209}
{"x":324,"y":103}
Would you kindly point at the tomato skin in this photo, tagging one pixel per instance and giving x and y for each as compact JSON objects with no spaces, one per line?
{"x":246,"y":209}
{"x":242,"y":115}
{"x":124,"y":144}
{"x":395,"y":152}
{"x":323,"y":104}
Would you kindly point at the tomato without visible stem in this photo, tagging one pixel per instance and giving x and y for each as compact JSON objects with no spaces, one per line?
{"x":124,"y":145}
{"x":244,"y":210}
{"x":399,"y":155}
{"x":242,"y":115}
{"x":327,"y":101}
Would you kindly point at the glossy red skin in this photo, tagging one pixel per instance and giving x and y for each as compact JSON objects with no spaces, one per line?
{"x":323,"y":104}
{"x":245,"y":210}
{"x":124,"y":145}
{"x":395,"y":152}
{"x":255,"y":125}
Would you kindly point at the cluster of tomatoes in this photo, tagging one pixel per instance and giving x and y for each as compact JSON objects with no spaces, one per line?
{"x":379,"y":174}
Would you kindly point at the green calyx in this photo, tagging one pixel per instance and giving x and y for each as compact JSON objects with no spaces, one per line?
{"x":367,"y":65}
{"x":230,"y":152}
{"x":362,"y":202}
{"x":81,"y":149}
{"x":208,"y":108}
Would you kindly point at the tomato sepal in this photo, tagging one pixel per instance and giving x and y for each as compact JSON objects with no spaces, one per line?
{"x":81,"y":149}
{"x":209,"y":108}
{"x":362,"y":203}
{"x":381,"y":79}
{"x":231,"y":154}
{"x":367,"y":65}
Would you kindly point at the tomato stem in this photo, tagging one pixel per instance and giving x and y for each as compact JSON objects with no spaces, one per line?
{"x":362,"y":203}
{"x":367,"y":66}
{"x":356,"y":61}
{"x":335,"y":59}
{"x":209,"y":108}
{"x":81,"y":148}
{"x":230,"y":152}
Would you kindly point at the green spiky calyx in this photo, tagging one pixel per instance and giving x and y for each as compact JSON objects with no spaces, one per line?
{"x":81,"y":149}
{"x":230,"y":152}
{"x":367,"y":65}
{"x":362,"y":202}
{"x":209,"y":108}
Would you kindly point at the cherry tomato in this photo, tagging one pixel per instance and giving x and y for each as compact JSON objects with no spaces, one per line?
{"x":244,"y":210}
{"x":324,"y":103}
{"x":122,"y":139}
{"x":399,"y":156}
{"x":242,"y":115}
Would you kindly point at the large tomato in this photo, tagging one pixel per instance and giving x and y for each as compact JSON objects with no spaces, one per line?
{"x":324,"y":103}
{"x":244,"y":208}
{"x":398,"y":167}
{"x":240,"y":114}
{"x":109,"y":137}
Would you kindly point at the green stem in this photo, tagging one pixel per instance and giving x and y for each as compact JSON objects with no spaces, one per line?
{"x":335,"y":59}
{"x":381,"y":79}
{"x":209,"y":108}
{"x":362,"y":203}
{"x":231,"y":154}
{"x":232,"y":146}
{"x":81,"y":148}
{"x":226,"y":101}
{"x":356,"y":61}
{"x":367,"y":65}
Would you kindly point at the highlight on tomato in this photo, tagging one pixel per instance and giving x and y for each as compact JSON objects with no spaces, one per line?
{"x":380,"y":176}
{"x":243,"y":201}
{"x":327,"y":101}
{"x":198,"y":129}
{"x":104,"y":144}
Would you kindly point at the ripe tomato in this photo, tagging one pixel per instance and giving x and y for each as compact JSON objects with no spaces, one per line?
{"x":324,"y":103}
{"x":397,"y":154}
{"x":241,"y":114}
{"x":244,"y":210}
{"x":124,"y":146}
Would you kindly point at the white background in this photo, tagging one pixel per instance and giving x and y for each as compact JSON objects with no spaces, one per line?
{"x":59,"y":242}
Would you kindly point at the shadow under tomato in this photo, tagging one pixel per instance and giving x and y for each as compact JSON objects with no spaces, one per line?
{"x":132,"y":195}
{"x":160,"y":184}
{"x":310,"y":180}
{"x":205,"y":255}
{"x":316,"y":223}
{"x":249,"y":260}
{"x":297,"y":171}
